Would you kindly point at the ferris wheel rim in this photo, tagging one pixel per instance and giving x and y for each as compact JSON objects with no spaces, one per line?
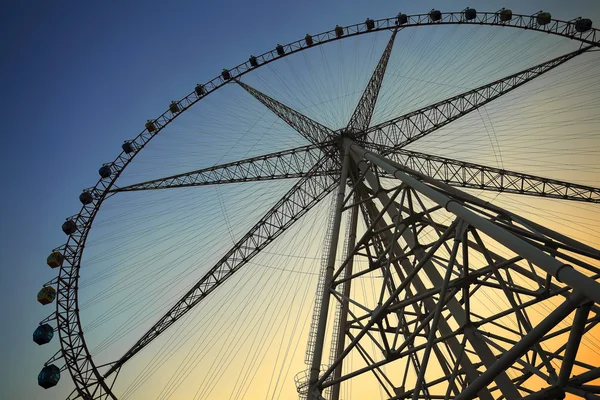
{"x":71,"y":336}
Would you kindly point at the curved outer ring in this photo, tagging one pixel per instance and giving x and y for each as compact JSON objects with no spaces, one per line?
{"x":89,"y":382}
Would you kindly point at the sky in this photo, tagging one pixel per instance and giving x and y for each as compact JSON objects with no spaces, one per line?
{"x":78,"y":78}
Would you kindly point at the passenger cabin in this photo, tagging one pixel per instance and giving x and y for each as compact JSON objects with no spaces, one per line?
{"x":583,"y":25}
{"x":49,"y":376}
{"x":199,"y":89}
{"x":127,"y":147}
{"x":104,"y":171}
{"x":435,"y":15}
{"x":308,"y":39}
{"x":150,"y":126}
{"x":505,"y":15}
{"x":401,"y":19}
{"x":69,"y":227}
{"x":253,"y":61}
{"x":280,"y":50}
{"x":174,"y":107}
{"x":543,"y":18}
{"x":86,"y":198}
{"x":43,"y":334}
{"x":370,"y":24}
{"x":470,"y":14}
{"x":55,"y":259}
{"x":46,"y":295}
{"x":339,"y":31}
{"x":225,"y":74}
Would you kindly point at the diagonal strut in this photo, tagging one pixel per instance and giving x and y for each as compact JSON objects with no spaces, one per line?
{"x":311,"y":130}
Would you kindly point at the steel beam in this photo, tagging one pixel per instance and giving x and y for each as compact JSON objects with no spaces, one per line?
{"x":361,"y":118}
{"x":575,"y":336}
{"x":292,"y":163}
{"x":562,"y":272}
{"x":520,"y":348}
{"x":477,"y":176}
{"x":313,"y":390}
{"x":343,"y":316}
{"x":311,"y":130}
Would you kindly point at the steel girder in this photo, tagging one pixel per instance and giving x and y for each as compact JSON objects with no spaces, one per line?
{"x":477,"y":176}
{"x":361,"y":118}
{"x":311,"y":130}
{"x":292,"y":163}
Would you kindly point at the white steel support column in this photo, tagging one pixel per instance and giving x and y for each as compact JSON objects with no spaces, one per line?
{"x":562,"y":272}
{"x":335,"y":390}
{"x":457,"y":311}
{"x":313,"y":391}
{"x":585,"y":288}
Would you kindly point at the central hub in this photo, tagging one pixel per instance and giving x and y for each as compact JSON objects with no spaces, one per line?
{"x":348,"y":133}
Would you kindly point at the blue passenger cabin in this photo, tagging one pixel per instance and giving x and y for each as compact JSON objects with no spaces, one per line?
{"x":49,"y":376}
{"x":43,"y":334}
{"x":401,"y":19}
{"x":280,"y":50}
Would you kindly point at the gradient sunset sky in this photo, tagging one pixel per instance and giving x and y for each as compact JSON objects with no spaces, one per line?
{"x":79,"y":77}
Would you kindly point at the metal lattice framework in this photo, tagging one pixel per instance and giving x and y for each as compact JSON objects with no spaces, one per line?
{"x":432,"y":243}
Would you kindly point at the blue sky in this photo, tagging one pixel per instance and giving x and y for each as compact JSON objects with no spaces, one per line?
{"x":80,"y":77}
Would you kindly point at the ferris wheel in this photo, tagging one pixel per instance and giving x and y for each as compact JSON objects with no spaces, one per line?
{"x":436,"y":276}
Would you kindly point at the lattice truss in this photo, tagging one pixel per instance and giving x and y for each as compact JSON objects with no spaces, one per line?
{"x":457,"y":277}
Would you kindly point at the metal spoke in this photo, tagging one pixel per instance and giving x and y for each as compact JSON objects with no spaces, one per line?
{"x":477,"y":176}
{"x":361,"y":118}
{"x":401,"y":131}
{"x":291,"y":207}
{"x":293,"y":163}
{"x":311,"y":130}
